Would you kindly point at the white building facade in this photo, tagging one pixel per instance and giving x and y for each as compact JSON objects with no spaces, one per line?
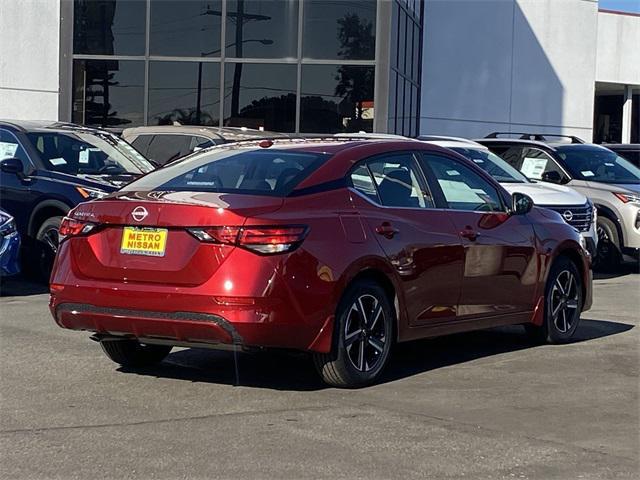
{"x":475,"y":66}
{"x":554,"y":66}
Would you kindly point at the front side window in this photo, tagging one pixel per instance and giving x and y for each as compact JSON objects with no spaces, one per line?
{"x":598,"y":165}
{"x":81,"y":153}
{"x":398,"y":181}
{"x":256,"y":172}
{"x":539,"y":165}
{"x":11,"y":148}
{"x":463,"y":189}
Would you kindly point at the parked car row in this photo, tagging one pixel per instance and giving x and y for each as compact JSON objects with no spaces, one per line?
{"x":336,"y":246}
{"x":49,"y":167}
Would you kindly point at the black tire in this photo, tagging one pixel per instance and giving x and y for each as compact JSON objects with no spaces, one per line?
{"x":562,"y":304}
{"x":131,"y":353}
{"x":361,"y":344}
{"x":45,"y":248}
{"x":608,"y":256}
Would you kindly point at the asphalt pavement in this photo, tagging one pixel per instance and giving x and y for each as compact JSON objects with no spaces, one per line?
{"x":482,"y":405}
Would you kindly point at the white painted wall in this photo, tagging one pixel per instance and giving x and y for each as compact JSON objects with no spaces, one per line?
{"x":509,"y":65}
{"x":618,"y":59}
{"x":29,"y":56}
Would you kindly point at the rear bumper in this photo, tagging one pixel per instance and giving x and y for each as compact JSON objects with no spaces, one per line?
{"x":184,"y":327}
{"x":239,"y":327}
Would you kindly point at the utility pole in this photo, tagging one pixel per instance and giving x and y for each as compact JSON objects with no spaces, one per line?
{"x":240,"y":18}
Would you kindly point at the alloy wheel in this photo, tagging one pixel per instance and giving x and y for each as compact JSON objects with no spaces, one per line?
{"x":364,"y":333}
{"x":564,"y":301}
{"x":604,"y":242}
{"x":51,"y":239}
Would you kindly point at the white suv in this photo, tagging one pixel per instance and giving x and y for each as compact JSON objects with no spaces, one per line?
{"x":610,"y":181}
{"x":576,"y":209}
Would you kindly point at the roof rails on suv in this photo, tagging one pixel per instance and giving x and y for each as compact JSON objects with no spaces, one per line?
{"x":538,"y":137}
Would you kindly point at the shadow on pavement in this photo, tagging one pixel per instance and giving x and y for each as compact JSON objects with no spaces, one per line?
{"x":19,"y":286}
{"x":621,"y":271}
{"x":290,"y":371}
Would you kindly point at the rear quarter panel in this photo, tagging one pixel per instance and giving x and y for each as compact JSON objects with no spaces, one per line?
{"x":334,"y":252}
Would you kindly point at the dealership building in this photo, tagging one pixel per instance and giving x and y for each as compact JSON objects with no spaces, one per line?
{"x":450,"y":67}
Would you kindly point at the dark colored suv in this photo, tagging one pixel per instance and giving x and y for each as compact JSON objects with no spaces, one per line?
{"x":47,"y":168}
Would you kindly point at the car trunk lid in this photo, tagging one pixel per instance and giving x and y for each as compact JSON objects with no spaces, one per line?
{"x":145,"y":237}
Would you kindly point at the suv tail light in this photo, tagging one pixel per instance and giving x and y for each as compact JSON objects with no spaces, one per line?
{"x":72,"y":228}
{"x":262,"y":240}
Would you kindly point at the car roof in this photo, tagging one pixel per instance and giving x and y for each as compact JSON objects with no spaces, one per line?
{"x":512,"y":141}
{"x":622,"y":146}
{"x":456,"y":143}
{"x":583,"y":146}
{"x":326,"y":144}
{"x":218,"y":133}
{"x":27,"y":126}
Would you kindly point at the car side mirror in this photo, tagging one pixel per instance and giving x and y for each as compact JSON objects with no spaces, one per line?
{"x":12,"y":165}
{"x":521,"y":204}
{"x":552,"y":176}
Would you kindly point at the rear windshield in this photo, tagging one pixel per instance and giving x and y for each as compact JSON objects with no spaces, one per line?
{"x":598,"y":165}
{"x":255,"y":172}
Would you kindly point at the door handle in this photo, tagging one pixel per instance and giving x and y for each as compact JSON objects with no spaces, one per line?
{"x":386,"y":230}
{"x":469,"y":233}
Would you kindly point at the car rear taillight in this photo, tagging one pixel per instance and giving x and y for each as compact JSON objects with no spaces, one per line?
{"x":72,"y":228}
{"x":226,"y":235}
{"x":258,"y":239}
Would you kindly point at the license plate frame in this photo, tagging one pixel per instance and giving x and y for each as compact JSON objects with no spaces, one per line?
{"x":145,"y":241}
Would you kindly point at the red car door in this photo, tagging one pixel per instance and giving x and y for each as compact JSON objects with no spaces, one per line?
{"x":500,"y":263}
{"x":420,"y":241}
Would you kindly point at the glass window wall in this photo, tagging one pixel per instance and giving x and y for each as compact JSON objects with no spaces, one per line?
{"x":284,"y":65}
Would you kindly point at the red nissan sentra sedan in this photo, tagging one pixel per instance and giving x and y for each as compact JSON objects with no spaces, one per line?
{"x":339,"y":248}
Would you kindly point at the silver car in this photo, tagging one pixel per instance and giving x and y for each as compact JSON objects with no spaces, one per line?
{"x":610,"y":181}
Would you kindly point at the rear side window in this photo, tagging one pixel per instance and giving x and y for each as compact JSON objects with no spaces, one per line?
{"x":392,"y":180}
{"x":362,"y":181}
{"x":141,"y":144}
{"x":166,"y":148}
{"x":198,"y":143}
{"x":257,"y":172}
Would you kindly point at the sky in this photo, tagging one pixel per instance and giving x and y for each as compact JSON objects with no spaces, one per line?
{"x":621,"y":5}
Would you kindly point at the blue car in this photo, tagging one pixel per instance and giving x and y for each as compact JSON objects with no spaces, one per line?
{"x":9,"y":245}
{"x":47,"y":168}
